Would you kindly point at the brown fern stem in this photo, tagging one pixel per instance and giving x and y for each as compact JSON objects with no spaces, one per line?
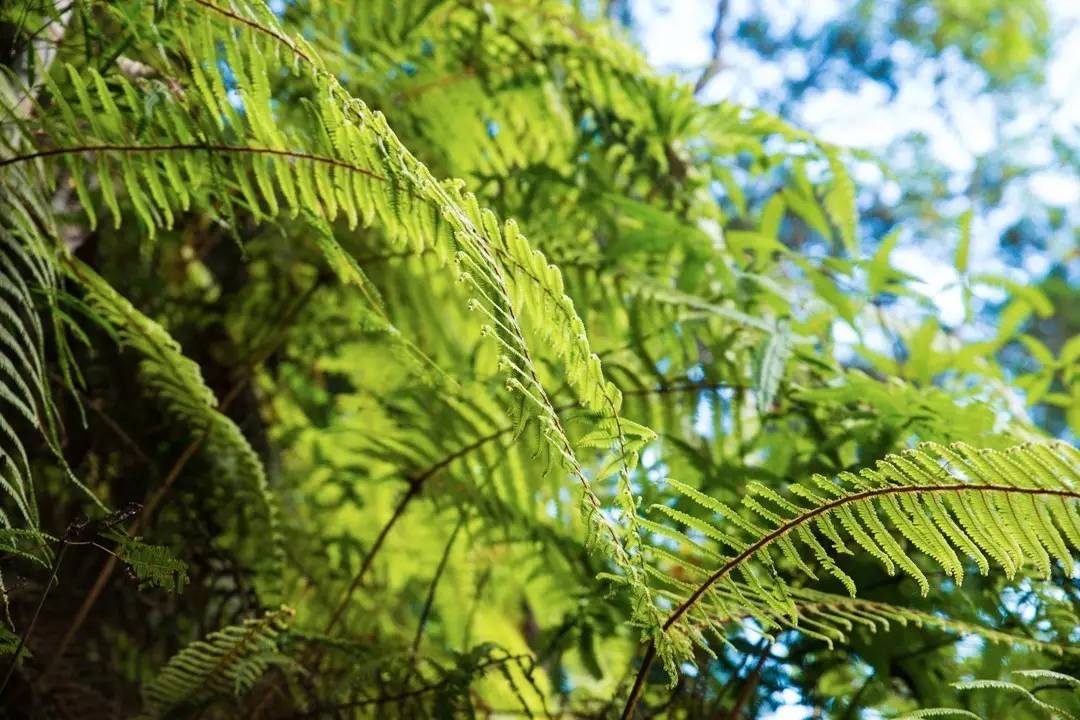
{"x":188,"y":147}
{"x":255,"y":26}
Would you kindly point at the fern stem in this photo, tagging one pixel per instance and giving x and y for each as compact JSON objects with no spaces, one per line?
{"x":639,"y":680}
{"x":255,"y":26}
{"x":33,"y":620}
{"x":430,"y":599}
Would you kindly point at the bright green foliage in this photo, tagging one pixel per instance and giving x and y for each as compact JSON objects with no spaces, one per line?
{"x":1016,"y":509}
{"x":462,"y":332}
{"x":166,"y":372}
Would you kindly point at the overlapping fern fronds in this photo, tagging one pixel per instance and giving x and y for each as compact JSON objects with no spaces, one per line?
{"x":30,"y":318}
{"x":214,"y":152}
{"x":1018,"y":685}
{"x":24,"y":386}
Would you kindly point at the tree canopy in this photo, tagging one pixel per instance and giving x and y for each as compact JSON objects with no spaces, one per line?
{"x":441,"y":358}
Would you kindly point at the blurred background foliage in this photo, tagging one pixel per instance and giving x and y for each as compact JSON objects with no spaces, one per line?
{"x":966,"y":111}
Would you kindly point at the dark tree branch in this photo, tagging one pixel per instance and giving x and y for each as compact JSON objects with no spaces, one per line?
{"x":715,"y":61}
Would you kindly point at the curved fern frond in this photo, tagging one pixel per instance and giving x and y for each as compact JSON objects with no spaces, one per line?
{"x":26,"y":270}
{"x":227,"y":663}
{"x":819,"y":611}
{"x":177,"y":380}
{"x":1052,"y":711}
{"x":23,"y":388}
{"x":1015,"y":508}
{"x":143,"y":137}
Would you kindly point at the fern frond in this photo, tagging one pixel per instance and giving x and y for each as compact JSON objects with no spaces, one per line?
{"x":1016,"y":508}
{"x":178,"y":382}
{"x":354,"y":168}
{"x":845,"y":613}
{"x":154,"y":565}
{"x":227,"y":663}
{"x":24,"y":394}
{"x":1049,"y":710}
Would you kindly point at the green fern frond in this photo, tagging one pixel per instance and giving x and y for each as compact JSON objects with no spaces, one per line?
{"x":177,"y":381}
{"x":844,"y":613}
{"x":1015,"y":508}
{"x":227,"y":663}
{"x":24,"y":392}
{"x":1046,"y":709}
{"x":154,"y":565}
{"x":354,"y":168}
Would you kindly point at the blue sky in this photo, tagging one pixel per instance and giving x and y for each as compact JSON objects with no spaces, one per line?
{"x":675,"y":36}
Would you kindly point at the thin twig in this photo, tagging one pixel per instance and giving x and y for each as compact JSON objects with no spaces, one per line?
{"x":430,"y":599}
{"x":33,"y":620}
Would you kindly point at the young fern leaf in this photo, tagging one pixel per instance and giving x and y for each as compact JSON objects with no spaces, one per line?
{"x":153,"y":565}
{"x":227,"y":663}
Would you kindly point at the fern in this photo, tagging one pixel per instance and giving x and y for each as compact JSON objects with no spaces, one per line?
{"x":832,"y":618}
{"x":374,"y":178}
{"x":227,"y":663}
{"x":24,"y":269}
{"x":1015,"y":508}
{"x":1046,"y":709}
{"x":559,"y":273}
{"x":177,"y":380}
{"x":154,"y":565}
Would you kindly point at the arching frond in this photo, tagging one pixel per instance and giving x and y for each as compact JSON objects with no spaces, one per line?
{"x":1016,"y":509}
{"x":178,"y":382}
{"x":226,"y":664}
{"x":1048,"y":679}
{"x":353,"y":167}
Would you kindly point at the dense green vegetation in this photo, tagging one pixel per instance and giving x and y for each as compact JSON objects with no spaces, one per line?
{"x":440,"y":358}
